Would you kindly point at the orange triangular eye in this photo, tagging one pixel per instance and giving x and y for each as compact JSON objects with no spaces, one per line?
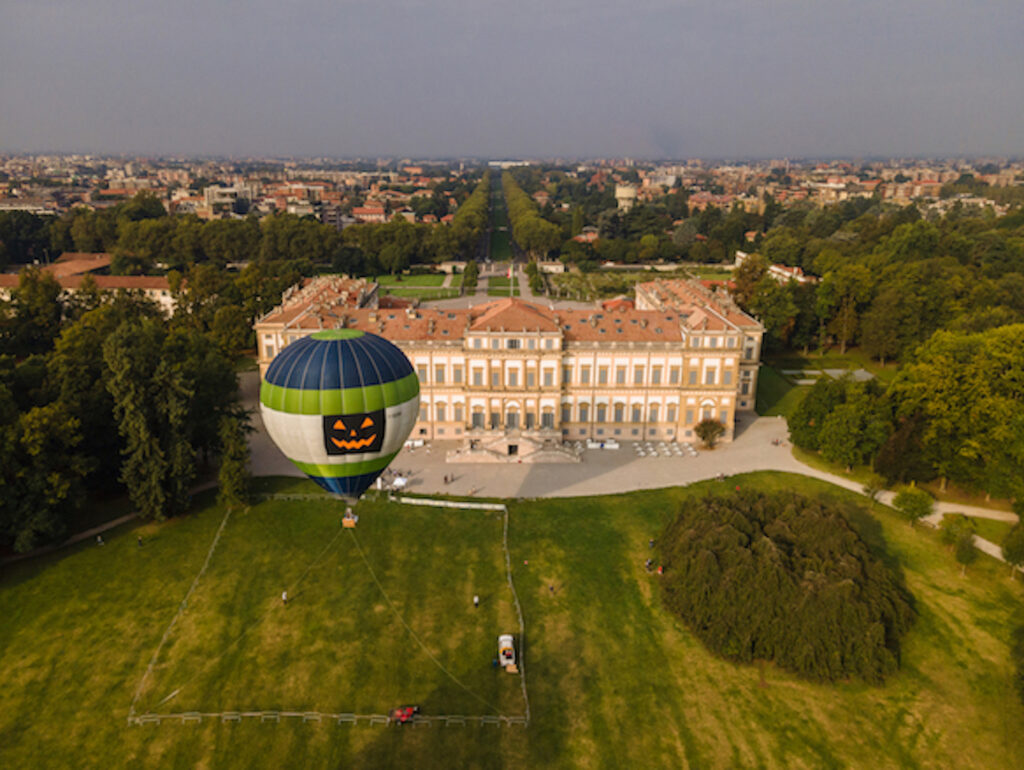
{"x":366,"y":423}
{"x":339,"y":425}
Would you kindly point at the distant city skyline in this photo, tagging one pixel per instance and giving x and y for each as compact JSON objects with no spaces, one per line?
{"x":731,"y":79}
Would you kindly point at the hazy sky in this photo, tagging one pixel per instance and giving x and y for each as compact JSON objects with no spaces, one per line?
{"x":511,"y":78}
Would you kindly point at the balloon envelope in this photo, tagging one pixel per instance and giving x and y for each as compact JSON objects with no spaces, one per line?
{"x":339,"y":404}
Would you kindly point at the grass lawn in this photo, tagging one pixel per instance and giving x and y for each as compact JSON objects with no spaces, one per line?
{"x":990,"y":529}
{"x":423,"y":294}
{"x":498,"y":286}
{"x":501,"y":246}
{"x":776,"y":393}
{"x":420,"y":279}
{"x":614,"y":681}
{"x":859,"y":473}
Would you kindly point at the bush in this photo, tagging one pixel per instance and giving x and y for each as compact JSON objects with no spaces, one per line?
{"x":708,"y":431}
{"x":786,"y":578}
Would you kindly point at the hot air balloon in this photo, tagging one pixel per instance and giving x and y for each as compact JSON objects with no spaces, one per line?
{"x":339,"y":404}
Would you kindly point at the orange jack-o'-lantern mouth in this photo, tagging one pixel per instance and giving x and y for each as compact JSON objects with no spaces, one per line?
{"x":346,"y":433}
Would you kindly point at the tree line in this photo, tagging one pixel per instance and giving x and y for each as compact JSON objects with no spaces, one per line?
{"x":143,"y":239}
{"x":531,"y":232}
{"x":98,"y":394}
{"x":784,"y":578}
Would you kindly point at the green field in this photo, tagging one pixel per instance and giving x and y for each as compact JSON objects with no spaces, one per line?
{"x":419,"y":279}
{"x":776,"y":393}
{"x":424,"y":294}
{"x":613,"y":680}
{"x":498,"y":286}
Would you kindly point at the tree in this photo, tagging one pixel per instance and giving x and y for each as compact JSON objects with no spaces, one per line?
{"x":773,"y":304}
{"x":34,"y":313}
{"x":234,"y":462}
{"x":966,"y":553}
{"x":914,"y":503}
{"x":708,"y":431}
{"x":41,"y":475}
{"x":747,"y":279}
{"x":840,"y":296}
{"x":1013,"y":547}
{"x":953,"y":526}
{"x":873,"y":487}
{"x":470,"y":276}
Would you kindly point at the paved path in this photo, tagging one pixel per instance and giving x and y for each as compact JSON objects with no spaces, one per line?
{"x":601,"y":472}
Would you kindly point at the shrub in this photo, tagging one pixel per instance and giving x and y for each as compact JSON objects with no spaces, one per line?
{"x":785,"y":578}
{"x":708,"y":431}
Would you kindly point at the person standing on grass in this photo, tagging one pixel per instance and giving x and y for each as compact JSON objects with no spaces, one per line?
{"x":284,"y":598}
{"x":476,"y":600}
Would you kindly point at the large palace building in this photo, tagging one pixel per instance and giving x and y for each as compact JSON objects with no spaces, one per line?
{"x":516,"y":379}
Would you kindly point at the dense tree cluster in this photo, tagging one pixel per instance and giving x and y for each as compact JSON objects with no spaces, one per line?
{"x":845,"y":420}
{"x":953,"y":412}
{"x":781,"y":577}
{"x":97,"y":395}
{"x":889,"y":279}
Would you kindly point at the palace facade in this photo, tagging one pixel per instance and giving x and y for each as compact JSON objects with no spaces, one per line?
{"x":517,"y":379}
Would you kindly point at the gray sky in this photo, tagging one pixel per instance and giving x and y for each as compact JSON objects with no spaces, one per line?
{"x":510,"y":78}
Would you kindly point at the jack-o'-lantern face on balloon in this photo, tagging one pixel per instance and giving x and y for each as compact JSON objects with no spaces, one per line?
{"x":354,"y":433}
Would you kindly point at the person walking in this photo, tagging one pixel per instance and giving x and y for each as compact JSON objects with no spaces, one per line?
{"x":284,"y":598}
{"x":476,"y":601}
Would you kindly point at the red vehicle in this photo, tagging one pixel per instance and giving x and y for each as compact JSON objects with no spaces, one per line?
{"x":403,"y":714}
